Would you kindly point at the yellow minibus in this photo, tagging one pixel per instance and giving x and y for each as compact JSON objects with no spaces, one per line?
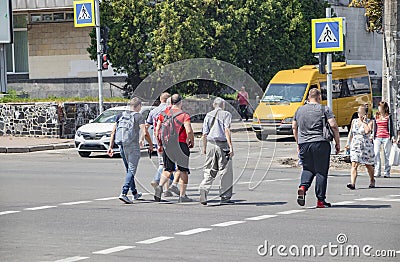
{"x":288,"y":90}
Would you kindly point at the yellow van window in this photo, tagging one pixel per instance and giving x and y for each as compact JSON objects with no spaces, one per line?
{"x":283,"y":93}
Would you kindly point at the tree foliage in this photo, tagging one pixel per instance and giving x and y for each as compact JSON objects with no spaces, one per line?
{"x":373,"y":11}
{"x":258,"y":36}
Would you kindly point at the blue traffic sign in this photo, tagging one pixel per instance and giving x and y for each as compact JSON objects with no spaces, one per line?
{"x":327,"y":35}
{"x":84,"y":13}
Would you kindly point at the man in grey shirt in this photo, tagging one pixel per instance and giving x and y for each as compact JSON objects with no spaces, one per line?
{"x":313,"y":148}
{"x":217,"y":145}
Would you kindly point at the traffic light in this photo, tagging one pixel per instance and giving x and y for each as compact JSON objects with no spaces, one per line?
{"x":104,"y":62}
{"x":322,"y":63}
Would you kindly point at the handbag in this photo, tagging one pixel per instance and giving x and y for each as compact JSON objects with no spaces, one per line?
{"x":327,"y":131}
{"x":394,"y":157}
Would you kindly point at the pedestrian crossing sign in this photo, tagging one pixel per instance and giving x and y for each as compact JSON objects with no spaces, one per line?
{"x":84,"y":13}
{"x":327,"y":35}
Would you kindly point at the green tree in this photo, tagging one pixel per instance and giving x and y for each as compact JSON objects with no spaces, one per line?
{"x":259,"y":36}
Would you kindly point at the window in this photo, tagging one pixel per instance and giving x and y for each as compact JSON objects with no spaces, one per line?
{"x":323,"y":90}
{"x":361,"y":85}
{"x":17,"y":53}
{"x":284,"y":93}
{"x":51,"y":17}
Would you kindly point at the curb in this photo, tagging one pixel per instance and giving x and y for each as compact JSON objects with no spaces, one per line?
{"x":28,"y":149}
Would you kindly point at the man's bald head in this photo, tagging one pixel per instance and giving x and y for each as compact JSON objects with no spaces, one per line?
{"x":314,"y":95}
{"x":164,"y":97}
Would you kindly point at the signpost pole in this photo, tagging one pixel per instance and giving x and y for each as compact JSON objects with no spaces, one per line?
{"x":99,"y":60}
{"x":329,"y":70}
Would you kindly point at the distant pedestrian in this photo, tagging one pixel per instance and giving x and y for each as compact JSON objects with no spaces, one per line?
{"x":384,"y":135}
{"x":217,"y":146}
{"x":129,"y":133}
{"x":313,"y":147}
{"x":176,"y":135}
{"x":243,"y":100}
{"x":361,"y":147}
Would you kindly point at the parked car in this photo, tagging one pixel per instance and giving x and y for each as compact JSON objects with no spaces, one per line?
{"x":95,"y":136}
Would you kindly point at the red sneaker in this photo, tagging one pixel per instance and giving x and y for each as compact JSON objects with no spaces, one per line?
{"x":323,"y":204}
{"x":301,"y":195}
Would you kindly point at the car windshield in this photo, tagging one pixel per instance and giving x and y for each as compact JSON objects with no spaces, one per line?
{"x":108,"y":116}
{"x":281,"y":93}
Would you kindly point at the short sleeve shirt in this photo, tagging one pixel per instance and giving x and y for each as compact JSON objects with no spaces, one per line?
{"x":182,"y":118}
{"x":310,"y":124}
{"x":216,"y":131}
{"x":152,"y":118}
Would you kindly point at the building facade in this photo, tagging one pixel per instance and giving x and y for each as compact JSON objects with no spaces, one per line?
{"x":49,"y":55}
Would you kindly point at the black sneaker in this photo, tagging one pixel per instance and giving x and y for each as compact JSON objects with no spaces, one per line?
{"x":203,"y":197}
{"x":185,"y":198}
{"x":157,"y":193}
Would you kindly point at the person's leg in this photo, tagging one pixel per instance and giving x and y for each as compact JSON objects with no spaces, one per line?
{"x":354,"y":173}
{"x":183,"y":181}
{"x":210,"y":172}
{"x":157,"y":175}
{"x":370,"y":170}
{"x":133,"y":161}
{"x":377,"y":152}
{"x":307,"y":174}
{"x":387,"y":146}
{"x":321,"y":155}
{"x":128,"y":176}
{"x":226,"y":170}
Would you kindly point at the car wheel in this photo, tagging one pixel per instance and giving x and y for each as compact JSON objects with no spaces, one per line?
{"x":84,"y":153}
{"x":261,"y":136}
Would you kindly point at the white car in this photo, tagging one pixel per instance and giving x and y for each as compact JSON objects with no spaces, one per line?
{"x":95,"y":136}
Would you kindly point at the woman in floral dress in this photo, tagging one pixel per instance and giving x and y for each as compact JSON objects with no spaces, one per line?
{"x":361,"y":147}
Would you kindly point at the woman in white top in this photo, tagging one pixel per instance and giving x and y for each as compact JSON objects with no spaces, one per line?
{"x":361,"y":147}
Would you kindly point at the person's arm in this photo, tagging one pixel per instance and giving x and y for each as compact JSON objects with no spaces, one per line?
{"x":110,"y":150}
{"x":367,"y":126}
{"x":350,"y":136}
{"x":204,"y":142}
{"x":146,"y":135}
{"x":335,"y":129}
{"x":190,"y":134}
{"x":295,"y":130}
{"x":229,"y":140}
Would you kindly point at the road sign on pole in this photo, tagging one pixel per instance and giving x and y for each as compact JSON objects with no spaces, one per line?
{"x":84,"y":14}
{"x":327,"y":35}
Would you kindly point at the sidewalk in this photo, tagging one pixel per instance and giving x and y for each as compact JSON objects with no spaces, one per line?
{"x":13,"y":144}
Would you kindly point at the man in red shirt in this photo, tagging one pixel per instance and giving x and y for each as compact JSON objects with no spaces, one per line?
{"x":243,"y":99}
{"x":177,"y":153}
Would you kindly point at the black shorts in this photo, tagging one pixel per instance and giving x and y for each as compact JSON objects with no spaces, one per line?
{"x":180,"y":157}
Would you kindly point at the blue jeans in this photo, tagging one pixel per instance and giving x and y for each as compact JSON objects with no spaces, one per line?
{"x":130,"y":157}
{"x":387,"y":145}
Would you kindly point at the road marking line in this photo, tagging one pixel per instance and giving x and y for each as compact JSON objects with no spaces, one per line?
{"x":286,"y":179}
{"x":365,"y":199}
{"x":229,"y":223}
{"x":112,"y":250}
{"x":260,"y":217}
{"x":71,"y":259}
{"x":39,"y":208}
{"x":154,"y":240}
{"x":106,"y":198}
{"x":193,"y":231}
{"x":343,"y":203}
{"x":394,"y":195}
{"x":8,"y":212}
{"x":75,"y":203}
{"x":290,"y":212}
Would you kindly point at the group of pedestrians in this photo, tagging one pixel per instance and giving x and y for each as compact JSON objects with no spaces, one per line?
{"x":366,"y":137}
{"x":173,"y":138}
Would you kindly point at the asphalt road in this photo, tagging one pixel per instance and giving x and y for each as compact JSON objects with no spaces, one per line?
{"x":57,"y":206}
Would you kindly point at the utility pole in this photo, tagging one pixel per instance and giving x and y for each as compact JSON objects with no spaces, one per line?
{"x":391,"y":58}
{"x":99,"y":56}
{"x":328,"y":12}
